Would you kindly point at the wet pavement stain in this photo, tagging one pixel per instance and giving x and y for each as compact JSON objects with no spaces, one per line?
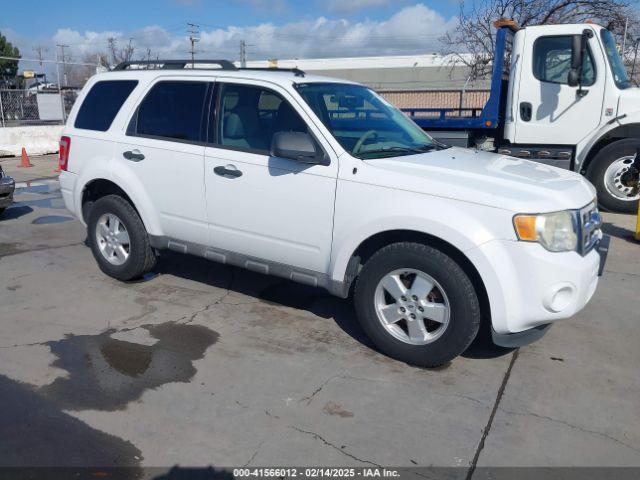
{"x":332,"y":408}
{"x":107,"y":374}
{"x":41,"y":189}
{"x":49,"y":219}
{"x":10,"y":248}
{"x":37,"y":433}
{"x":55,"y":203}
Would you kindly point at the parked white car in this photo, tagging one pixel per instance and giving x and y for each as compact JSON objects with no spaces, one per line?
{"x":323,"y":182}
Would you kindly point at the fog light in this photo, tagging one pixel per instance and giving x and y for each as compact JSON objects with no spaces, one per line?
{"x":559,"y":297}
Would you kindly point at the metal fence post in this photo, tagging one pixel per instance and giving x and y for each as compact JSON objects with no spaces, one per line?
{"x":1,"y":109}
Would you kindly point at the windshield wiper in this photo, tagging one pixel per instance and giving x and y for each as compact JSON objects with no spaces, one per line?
{"x":408,"y":150}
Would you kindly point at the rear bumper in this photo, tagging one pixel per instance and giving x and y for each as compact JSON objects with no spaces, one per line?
{"x":7,"y":187}
{"x":67,"y":188}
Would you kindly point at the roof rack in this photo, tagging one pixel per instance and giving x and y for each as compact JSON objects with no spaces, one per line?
{"x":173,"y":64}
{"x":296,"y":71}
{"x":182,"y":64}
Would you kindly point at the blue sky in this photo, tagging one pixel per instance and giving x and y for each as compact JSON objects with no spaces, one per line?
{"x":45,"y":17}
{"x":273,"y":28}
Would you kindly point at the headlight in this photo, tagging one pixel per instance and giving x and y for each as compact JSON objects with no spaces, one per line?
{"x":557,"y":232}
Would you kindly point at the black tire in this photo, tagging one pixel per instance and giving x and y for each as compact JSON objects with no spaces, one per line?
{"x":596,"y":174}
{"x":465,"y":314}
{"x":142,"y":257}
{"x":2,"y":210}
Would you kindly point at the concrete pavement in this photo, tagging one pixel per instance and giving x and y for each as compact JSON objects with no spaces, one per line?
{"x":202,"y":364}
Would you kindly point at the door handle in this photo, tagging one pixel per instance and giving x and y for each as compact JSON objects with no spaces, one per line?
{"x":526,"y":111}
{"x":230,"y":171}
{"x":133,"y":155}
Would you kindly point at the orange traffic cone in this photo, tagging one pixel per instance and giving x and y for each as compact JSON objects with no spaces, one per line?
{"x":25,"y":162}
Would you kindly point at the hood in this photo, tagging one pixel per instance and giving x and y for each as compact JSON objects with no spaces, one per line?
{"x":509,"y":183}
{"x":629,"y":101}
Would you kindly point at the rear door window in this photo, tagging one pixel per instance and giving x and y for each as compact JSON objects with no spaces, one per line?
{"x":102,"y":104}
{"x":172,"y":110}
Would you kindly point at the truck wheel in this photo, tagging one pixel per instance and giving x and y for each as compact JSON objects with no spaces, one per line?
{"x":416,"y":304}
{"x":609,"y":172}
{"x":118,"y":239}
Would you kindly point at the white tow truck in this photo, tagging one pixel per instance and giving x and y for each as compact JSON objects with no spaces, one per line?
{"x":560,"y":95}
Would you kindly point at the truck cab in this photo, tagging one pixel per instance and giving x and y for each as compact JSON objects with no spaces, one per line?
{"x":560,"y":95}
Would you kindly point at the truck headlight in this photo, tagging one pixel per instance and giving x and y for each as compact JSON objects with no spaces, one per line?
{"x":557,"y":232}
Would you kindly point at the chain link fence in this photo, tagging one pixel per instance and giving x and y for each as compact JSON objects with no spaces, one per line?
{"x":43,"y":92}
{"x":28,"y":107}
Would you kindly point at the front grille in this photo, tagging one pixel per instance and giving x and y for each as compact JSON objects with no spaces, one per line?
{"x":589,"y":223}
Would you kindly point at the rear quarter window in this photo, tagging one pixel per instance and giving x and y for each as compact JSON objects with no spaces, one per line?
{"x":102,"y":104}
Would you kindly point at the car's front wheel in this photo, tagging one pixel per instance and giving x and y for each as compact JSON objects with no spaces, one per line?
{"x":417,"y":304}
{"x":118,"y":239}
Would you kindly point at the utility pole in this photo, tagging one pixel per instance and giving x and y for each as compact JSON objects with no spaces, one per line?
{"x":243,"y":54}
{"x":194,"y":36}
{"x":40,"y":51}
{"x":60,"y":89}
{"x":64,"y":64}
{"x":624,"y":38}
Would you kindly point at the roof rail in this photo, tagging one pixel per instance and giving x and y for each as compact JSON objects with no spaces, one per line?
{"x":181,"y":64}
{"x":296,"y":71}
{"x":173,"y":64}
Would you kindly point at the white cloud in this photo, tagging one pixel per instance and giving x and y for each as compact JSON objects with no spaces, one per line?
{"x":349,"y":6}
{"x":413,"y":29}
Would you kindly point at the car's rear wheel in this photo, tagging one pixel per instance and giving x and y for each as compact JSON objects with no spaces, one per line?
{"x":417,"y":304}
{"x":118,"y":239}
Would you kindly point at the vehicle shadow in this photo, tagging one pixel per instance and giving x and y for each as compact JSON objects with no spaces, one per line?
{"x":283,"y":292}
{"x":618,"y":232}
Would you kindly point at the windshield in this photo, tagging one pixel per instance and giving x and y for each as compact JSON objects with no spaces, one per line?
{"x":365,"y":124}
{"x":617,"y":66}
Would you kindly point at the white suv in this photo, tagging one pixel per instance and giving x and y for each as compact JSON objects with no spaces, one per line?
{"x":323,"y":182}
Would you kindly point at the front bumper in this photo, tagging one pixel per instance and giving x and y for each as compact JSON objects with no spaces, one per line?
{"x":520,"y":339}
{"x":529,"y":287}
{"x":7,"y":187}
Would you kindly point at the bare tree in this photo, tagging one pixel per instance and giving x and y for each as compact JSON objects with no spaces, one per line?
{"x":79,"y":73}
{"x":115,"y":54}
{"x":472,"y":43}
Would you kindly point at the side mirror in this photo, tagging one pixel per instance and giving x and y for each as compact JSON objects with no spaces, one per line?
{"x":296,"y":146}
{"x":577,"y":49}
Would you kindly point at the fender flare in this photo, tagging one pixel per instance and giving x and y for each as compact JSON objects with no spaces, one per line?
{"x":132,"y":188}
{"x":591,"y":146}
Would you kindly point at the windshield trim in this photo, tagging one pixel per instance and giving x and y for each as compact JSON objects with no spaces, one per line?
{"x":613,"y":59}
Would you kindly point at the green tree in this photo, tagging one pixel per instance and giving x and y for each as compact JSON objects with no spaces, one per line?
{"x":8,"y":68}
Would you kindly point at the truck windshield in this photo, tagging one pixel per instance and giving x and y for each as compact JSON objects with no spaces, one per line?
{"x":617,"y":66}
{"x":364,"y":123}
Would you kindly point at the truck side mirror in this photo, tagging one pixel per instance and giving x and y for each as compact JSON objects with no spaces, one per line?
{"x":577,"y":50}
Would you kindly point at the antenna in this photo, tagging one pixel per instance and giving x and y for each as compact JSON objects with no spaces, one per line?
{"x":193,"y":30}
{"x":243,"y":54}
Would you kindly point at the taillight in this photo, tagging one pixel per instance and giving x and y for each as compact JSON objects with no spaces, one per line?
{"x":65,"y":146}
